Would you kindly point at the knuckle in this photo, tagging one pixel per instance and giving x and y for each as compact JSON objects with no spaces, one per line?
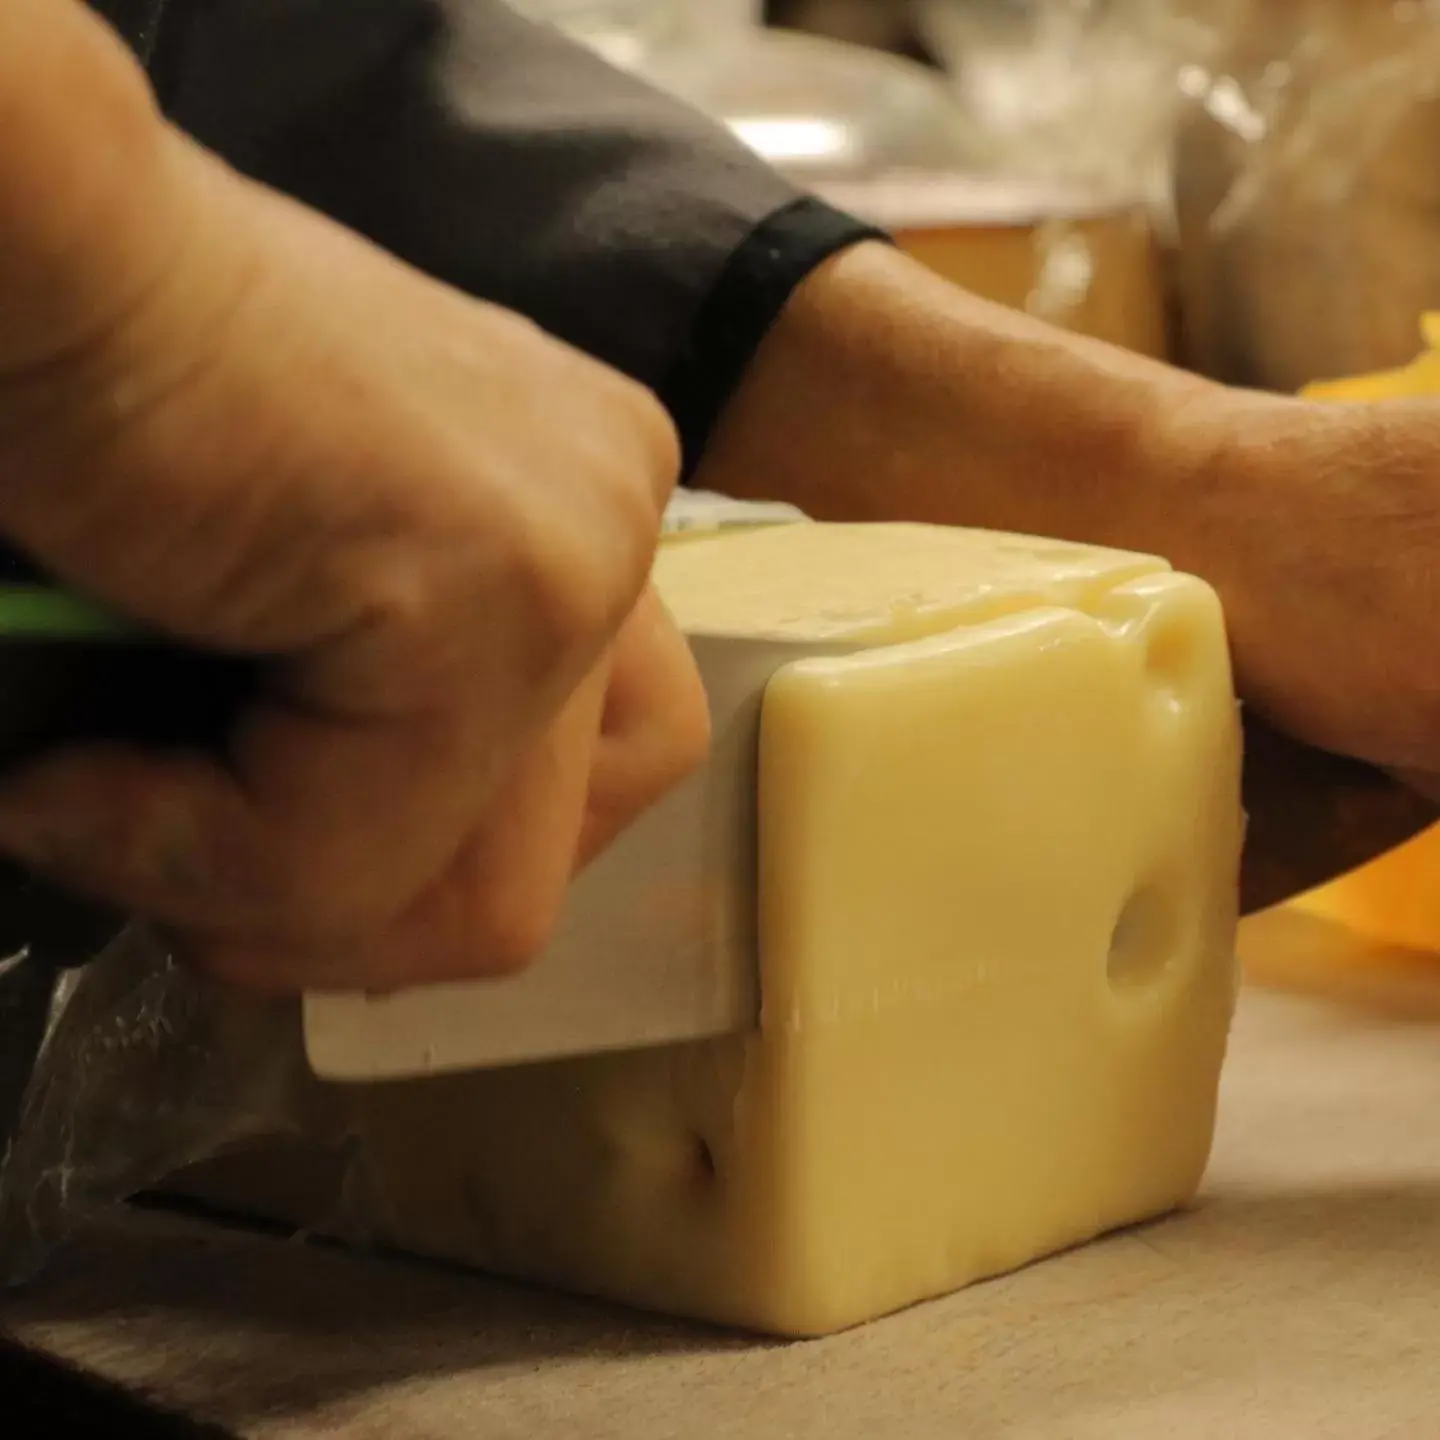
{"x":579,"y":584}
{"x":509,"y":935}
{"x":683,"y":743}
{"x":690,"y":732}
{"x":657,"y":442}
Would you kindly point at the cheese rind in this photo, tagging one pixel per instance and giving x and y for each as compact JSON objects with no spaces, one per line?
{"x":999,"y":849}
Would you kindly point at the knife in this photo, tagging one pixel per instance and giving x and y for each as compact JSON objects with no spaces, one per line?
{"x":668,"y":914}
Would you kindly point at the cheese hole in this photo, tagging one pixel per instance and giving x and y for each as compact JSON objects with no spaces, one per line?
{"x":1172,"y":643}
{"x":1171,"y":656}
{"x":1143,"y":939}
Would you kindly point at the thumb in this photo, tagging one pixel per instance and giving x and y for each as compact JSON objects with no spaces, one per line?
{"x":655,"y":729}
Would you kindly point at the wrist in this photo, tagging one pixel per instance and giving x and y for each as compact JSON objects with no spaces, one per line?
{"x":884,"y":392}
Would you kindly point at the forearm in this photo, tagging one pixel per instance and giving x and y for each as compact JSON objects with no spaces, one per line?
{"x":886,"y":393}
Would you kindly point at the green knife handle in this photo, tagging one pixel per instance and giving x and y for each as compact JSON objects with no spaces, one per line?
{"x":67,"y":690}
{"x":70,"y":673}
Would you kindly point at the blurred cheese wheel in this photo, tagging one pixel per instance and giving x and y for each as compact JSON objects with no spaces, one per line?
{"x":1085,"y":261}
{"x":1394,"y":900}
{"x":1293,"y":949}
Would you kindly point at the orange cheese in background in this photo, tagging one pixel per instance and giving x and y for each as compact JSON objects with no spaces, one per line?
{"x":1421,"y":377}
{"x":1396,"y":899}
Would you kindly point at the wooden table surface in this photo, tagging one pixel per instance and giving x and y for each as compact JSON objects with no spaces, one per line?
{"x":1300,"y":1298}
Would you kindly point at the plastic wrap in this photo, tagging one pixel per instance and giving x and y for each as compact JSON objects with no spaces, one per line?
{"x":1076,"y":91}
{"x":1285,"y":146}
{"x":1306,"y":196}
{"x":145,"y":1068}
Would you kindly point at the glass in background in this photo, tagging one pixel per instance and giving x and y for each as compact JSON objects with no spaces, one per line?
{"x":889,"y":139}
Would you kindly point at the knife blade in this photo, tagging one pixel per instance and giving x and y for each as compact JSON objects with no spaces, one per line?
{"x":668,"y":915}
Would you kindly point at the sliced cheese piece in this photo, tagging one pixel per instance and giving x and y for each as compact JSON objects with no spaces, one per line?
{"x":999,"y":850}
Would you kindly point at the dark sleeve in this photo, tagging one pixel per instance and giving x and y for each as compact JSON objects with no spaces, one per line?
{"x":501,"y":157}
{"x":137,"y":20}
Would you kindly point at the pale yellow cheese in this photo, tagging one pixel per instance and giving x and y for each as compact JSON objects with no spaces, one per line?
{"x":999,"y":852}
{"x":998,"y":912}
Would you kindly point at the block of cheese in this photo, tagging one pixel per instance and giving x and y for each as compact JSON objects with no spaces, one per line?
{"x":998,"y":849}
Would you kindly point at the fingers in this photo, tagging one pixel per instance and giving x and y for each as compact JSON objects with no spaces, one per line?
{"x":493,"y":906}
{"x":179,"y":841}
{"x":636,"y":727}
{"x":336,"y":830}
{"x":171,"y":837}
{"x":655,"y":729}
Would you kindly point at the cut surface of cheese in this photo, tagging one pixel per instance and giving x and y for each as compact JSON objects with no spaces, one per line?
{"x":878,"y":584}
{"x":999,"y":847}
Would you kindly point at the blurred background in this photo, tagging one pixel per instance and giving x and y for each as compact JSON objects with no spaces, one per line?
{"x":1249,"y":187}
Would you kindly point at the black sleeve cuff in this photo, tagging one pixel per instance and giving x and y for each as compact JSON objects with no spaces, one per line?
{"x":138,"y":21}
{"x":752,"y":289}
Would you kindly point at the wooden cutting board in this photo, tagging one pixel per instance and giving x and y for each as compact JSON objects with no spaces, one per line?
{"x":1299,"y":1298}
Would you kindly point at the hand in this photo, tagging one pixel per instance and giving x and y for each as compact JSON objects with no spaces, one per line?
{"x":632,"y":729}
{"x":1320,"y":526}
{"x":246,"y":427}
